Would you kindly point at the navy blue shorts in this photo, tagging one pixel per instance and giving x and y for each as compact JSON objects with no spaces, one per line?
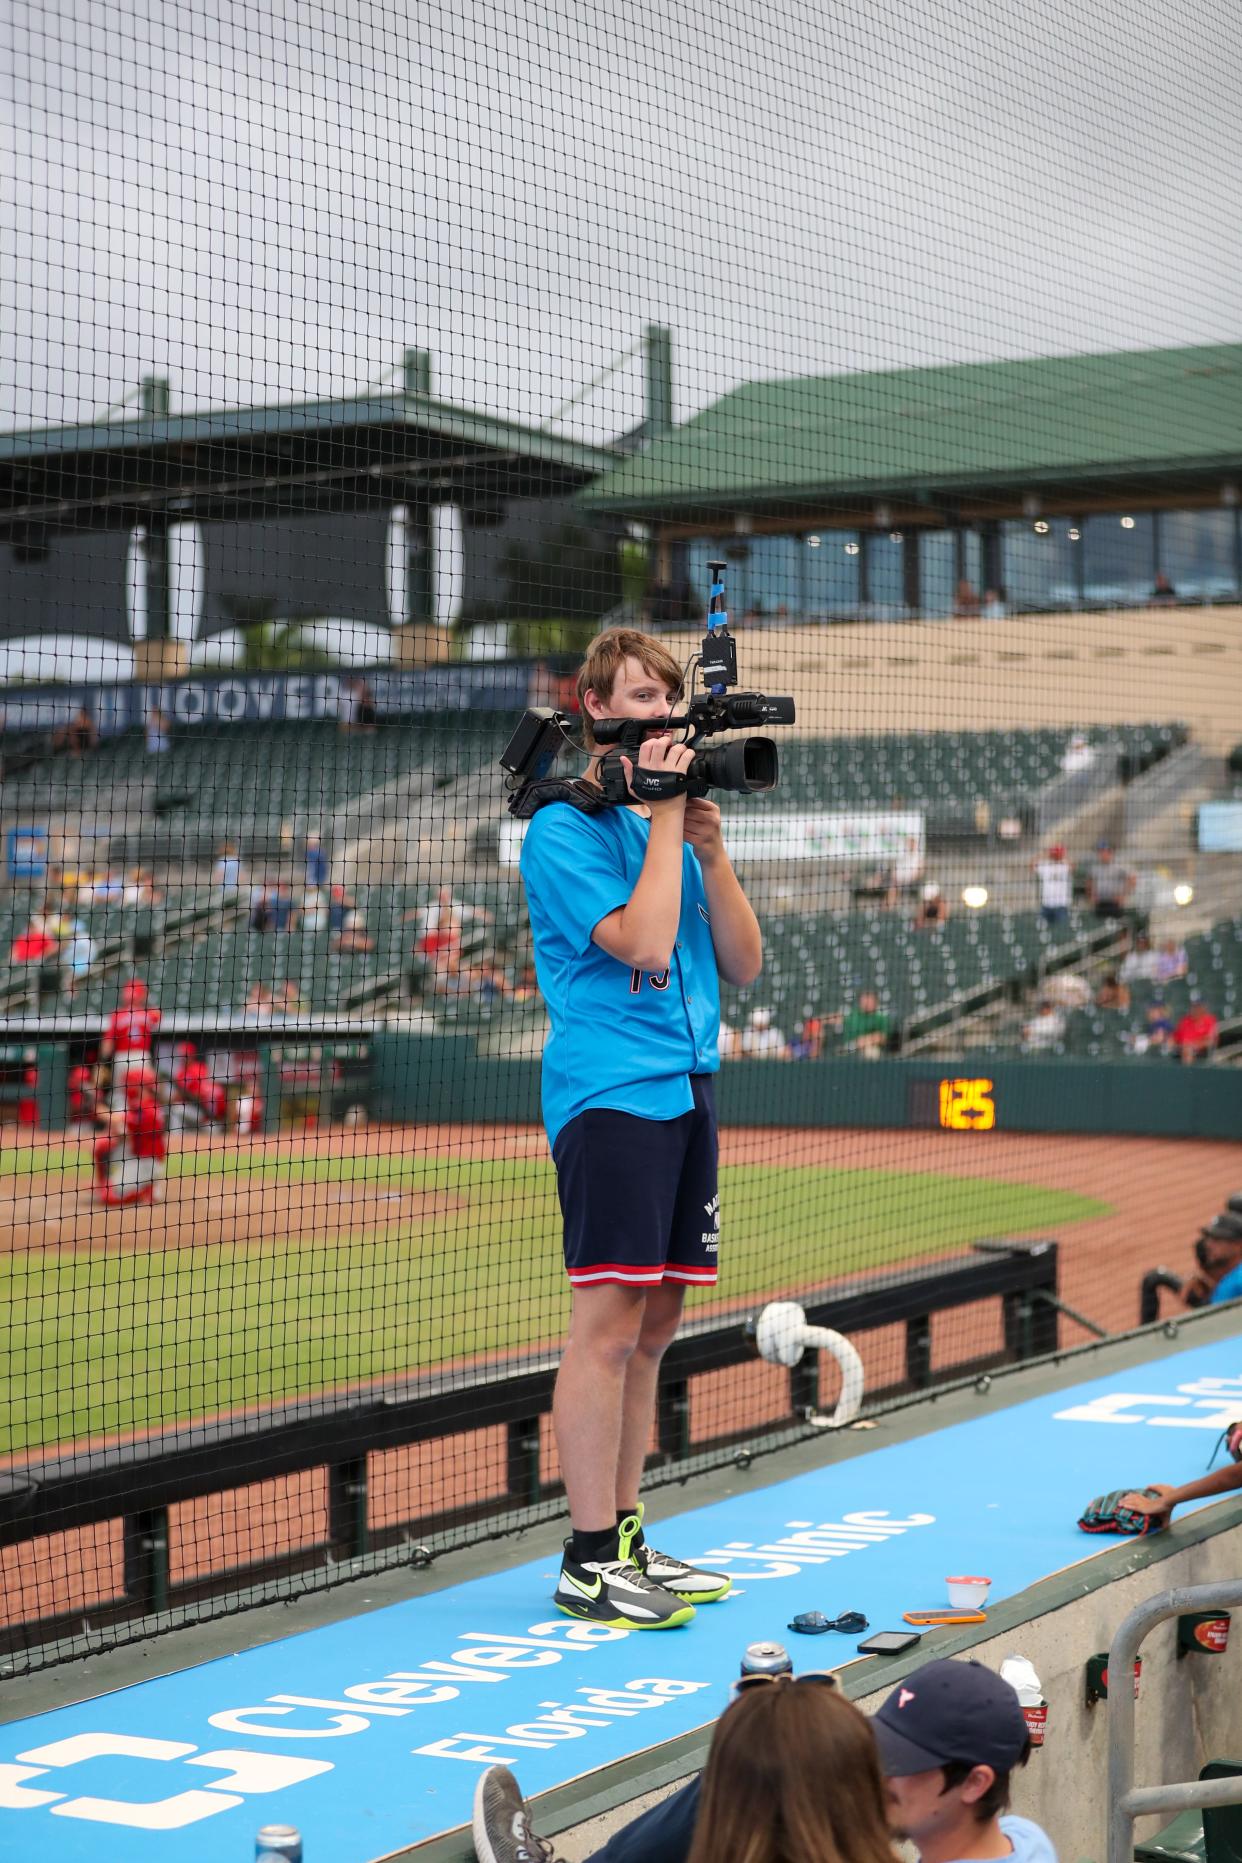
{"x":639,"y":1195}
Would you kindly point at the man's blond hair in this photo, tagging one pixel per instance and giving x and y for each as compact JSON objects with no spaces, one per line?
{"x":605,"y":657}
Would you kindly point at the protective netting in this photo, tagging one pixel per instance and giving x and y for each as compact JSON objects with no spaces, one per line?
{"x":359,"y":366}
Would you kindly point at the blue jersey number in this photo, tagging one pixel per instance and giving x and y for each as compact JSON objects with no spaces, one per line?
{"x":657,"y":980}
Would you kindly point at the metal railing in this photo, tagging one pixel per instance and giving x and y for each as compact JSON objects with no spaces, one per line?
{"x":1127,"y":1801}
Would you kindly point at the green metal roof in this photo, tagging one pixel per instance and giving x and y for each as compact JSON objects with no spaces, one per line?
{"x":971,"y":429}
{"x":232,"y":462}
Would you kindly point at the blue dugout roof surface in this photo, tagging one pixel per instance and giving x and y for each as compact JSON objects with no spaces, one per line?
{"x":369,"y":1734}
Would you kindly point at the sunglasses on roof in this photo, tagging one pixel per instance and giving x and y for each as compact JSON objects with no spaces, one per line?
{"x":810,"y":1675}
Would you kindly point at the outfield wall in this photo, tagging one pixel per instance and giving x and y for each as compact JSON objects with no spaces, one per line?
{"x":440,"y":1079}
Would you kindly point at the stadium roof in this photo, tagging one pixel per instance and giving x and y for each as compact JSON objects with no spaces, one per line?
{"x":248,"y":463}
{"x":974,"y":434}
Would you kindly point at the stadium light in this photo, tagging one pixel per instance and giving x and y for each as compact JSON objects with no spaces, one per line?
{"x":976,"y":897}
{"x":1183,"y":893}
{"x":1042,"y":526}
{"x":1127,"y":523}
{"x":812,"y":543}
{"x":851,"y":549}
{"x":1073,"y":533}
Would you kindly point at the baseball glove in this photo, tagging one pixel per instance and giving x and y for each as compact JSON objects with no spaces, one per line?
{"x":1107,"y":1515}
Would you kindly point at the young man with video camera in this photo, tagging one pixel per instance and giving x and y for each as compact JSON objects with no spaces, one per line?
{"x":636,"y":913}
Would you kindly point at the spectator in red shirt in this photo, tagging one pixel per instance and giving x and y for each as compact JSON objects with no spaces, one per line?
{"x":1195,"y":1035}
{"x":128,"y":1035}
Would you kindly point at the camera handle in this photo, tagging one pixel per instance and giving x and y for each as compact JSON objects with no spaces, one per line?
{"x":718,"y":655}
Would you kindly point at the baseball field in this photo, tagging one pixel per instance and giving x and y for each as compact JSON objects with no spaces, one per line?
{"x":279,"y":1267}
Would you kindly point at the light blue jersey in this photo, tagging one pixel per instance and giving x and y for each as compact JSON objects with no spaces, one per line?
{"x":620,"y":1038}
{"x":1229,"y":1287}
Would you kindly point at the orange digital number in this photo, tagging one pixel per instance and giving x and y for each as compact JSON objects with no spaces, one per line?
{"x":967,"y":1106}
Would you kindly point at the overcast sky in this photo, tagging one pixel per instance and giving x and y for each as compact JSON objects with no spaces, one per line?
{"x":269,"y":199}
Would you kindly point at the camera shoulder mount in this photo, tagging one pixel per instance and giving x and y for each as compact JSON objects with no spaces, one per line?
{"x":532,"y":797}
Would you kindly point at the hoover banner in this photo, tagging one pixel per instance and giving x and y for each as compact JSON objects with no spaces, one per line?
{"x":260,"y":698}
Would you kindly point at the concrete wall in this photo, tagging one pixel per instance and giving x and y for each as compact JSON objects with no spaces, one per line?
{"x":1188,"y":1712}
{"x":1033,"y":670}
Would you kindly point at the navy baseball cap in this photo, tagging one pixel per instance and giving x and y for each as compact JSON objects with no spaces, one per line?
{"x":950,"y":1711}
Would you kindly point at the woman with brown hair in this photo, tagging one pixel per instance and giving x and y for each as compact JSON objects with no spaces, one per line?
{"x":793,"y":1776}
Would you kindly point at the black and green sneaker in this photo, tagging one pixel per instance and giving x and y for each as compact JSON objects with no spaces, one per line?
{"x":616,"y":1590}
{"x":687,"y":1582}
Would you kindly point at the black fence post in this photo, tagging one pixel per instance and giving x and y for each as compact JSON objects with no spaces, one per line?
{"x":673,"y":1419}
{"x":144,"y":1540}
{"x":348,"y":1532}
{"x":804,"y":1384}
{"x":525,"y":1483}
{"x":919,"y":1351}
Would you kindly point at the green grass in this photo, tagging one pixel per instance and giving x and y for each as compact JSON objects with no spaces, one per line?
{"x":105,"y":1341}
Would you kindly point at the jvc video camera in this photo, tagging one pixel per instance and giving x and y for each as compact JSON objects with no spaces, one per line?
{"x":747,"y":766}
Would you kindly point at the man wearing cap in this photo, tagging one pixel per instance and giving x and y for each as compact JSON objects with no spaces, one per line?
{"x":1055,"y":878}
{"x":949,"y":1737}
{"x":1218,"y":1253}
{"x":1108,"y":885}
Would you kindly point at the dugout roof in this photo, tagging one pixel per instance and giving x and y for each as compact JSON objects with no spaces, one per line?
{"x":242,"y":464}
{"x":1079,"y":432}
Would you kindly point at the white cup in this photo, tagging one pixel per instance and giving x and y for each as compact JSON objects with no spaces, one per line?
{"x":967,"y":1594}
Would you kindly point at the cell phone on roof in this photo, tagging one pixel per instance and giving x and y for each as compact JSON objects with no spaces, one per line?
{"x":889,"y":1642}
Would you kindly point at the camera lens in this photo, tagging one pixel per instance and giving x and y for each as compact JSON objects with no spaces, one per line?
{"x":748,"y":766}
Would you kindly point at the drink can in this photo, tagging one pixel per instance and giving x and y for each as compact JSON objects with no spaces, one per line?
{"x":278,"y":1843}
{"x":766,"y":1659}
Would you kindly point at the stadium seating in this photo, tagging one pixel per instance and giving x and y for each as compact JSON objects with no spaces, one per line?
{"x":1000,"y":767}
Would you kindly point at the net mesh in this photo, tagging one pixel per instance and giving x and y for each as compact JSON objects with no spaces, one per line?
{"x":358,"y":367}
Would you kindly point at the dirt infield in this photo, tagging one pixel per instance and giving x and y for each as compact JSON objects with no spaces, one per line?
{"x":1158,"y":1192}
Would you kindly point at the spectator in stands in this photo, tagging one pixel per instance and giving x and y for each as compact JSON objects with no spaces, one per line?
{"x":866,"y":1028}
{"x":289,"y":1001}
{"x":227,"y":872}
{"x":1109,"y":885}
{"x":77,"y":956}
{"x":314,"y":910}
{"x":357,"y":706}
{"x":79,"y":736}
{"x":1195,"y":1035}
{"x":727,"y":1044}
{"x":353,"y":939}
{"x":140,"y":889}
{"x":792,"y":1777}
{"x":281,"y":911}
{"x":808,"y":1041}
{"x":1055,"y":878}
{"x":878,"y":886}
{"x":966,"y":599}
{"x":760,"y":1040}
{"x":260,"y":1005}
{"x":1160,"y":1504}
{"x":260,"y":907}
{"x":1140,"y":965}
{"x":1078,"y":754}
{"x":39,"y":947}
{"x":1218,"y":1262}
{"x":949,"y":1738}
{"x":995,"y":606}
{"x":1162,"y":590}
{"x":1113,"y":993}
{"x":1159,"y":1030}
{"x":316,"y":861}
{"x":1045,"y":1029}
{"x":158,"y":727}
{"x":933,"y":912}
{"x":1171,"y":961}
{"x":526,"y":988}
{"x":1067,"y":989}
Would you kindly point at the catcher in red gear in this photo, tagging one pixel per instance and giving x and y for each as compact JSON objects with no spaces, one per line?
{"x":129,"y":1156}
{"x":194,"y":1087}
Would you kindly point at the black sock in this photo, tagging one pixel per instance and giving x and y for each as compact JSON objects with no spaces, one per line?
{"x":626,"y":1514}
{"x":597,"y":1545}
